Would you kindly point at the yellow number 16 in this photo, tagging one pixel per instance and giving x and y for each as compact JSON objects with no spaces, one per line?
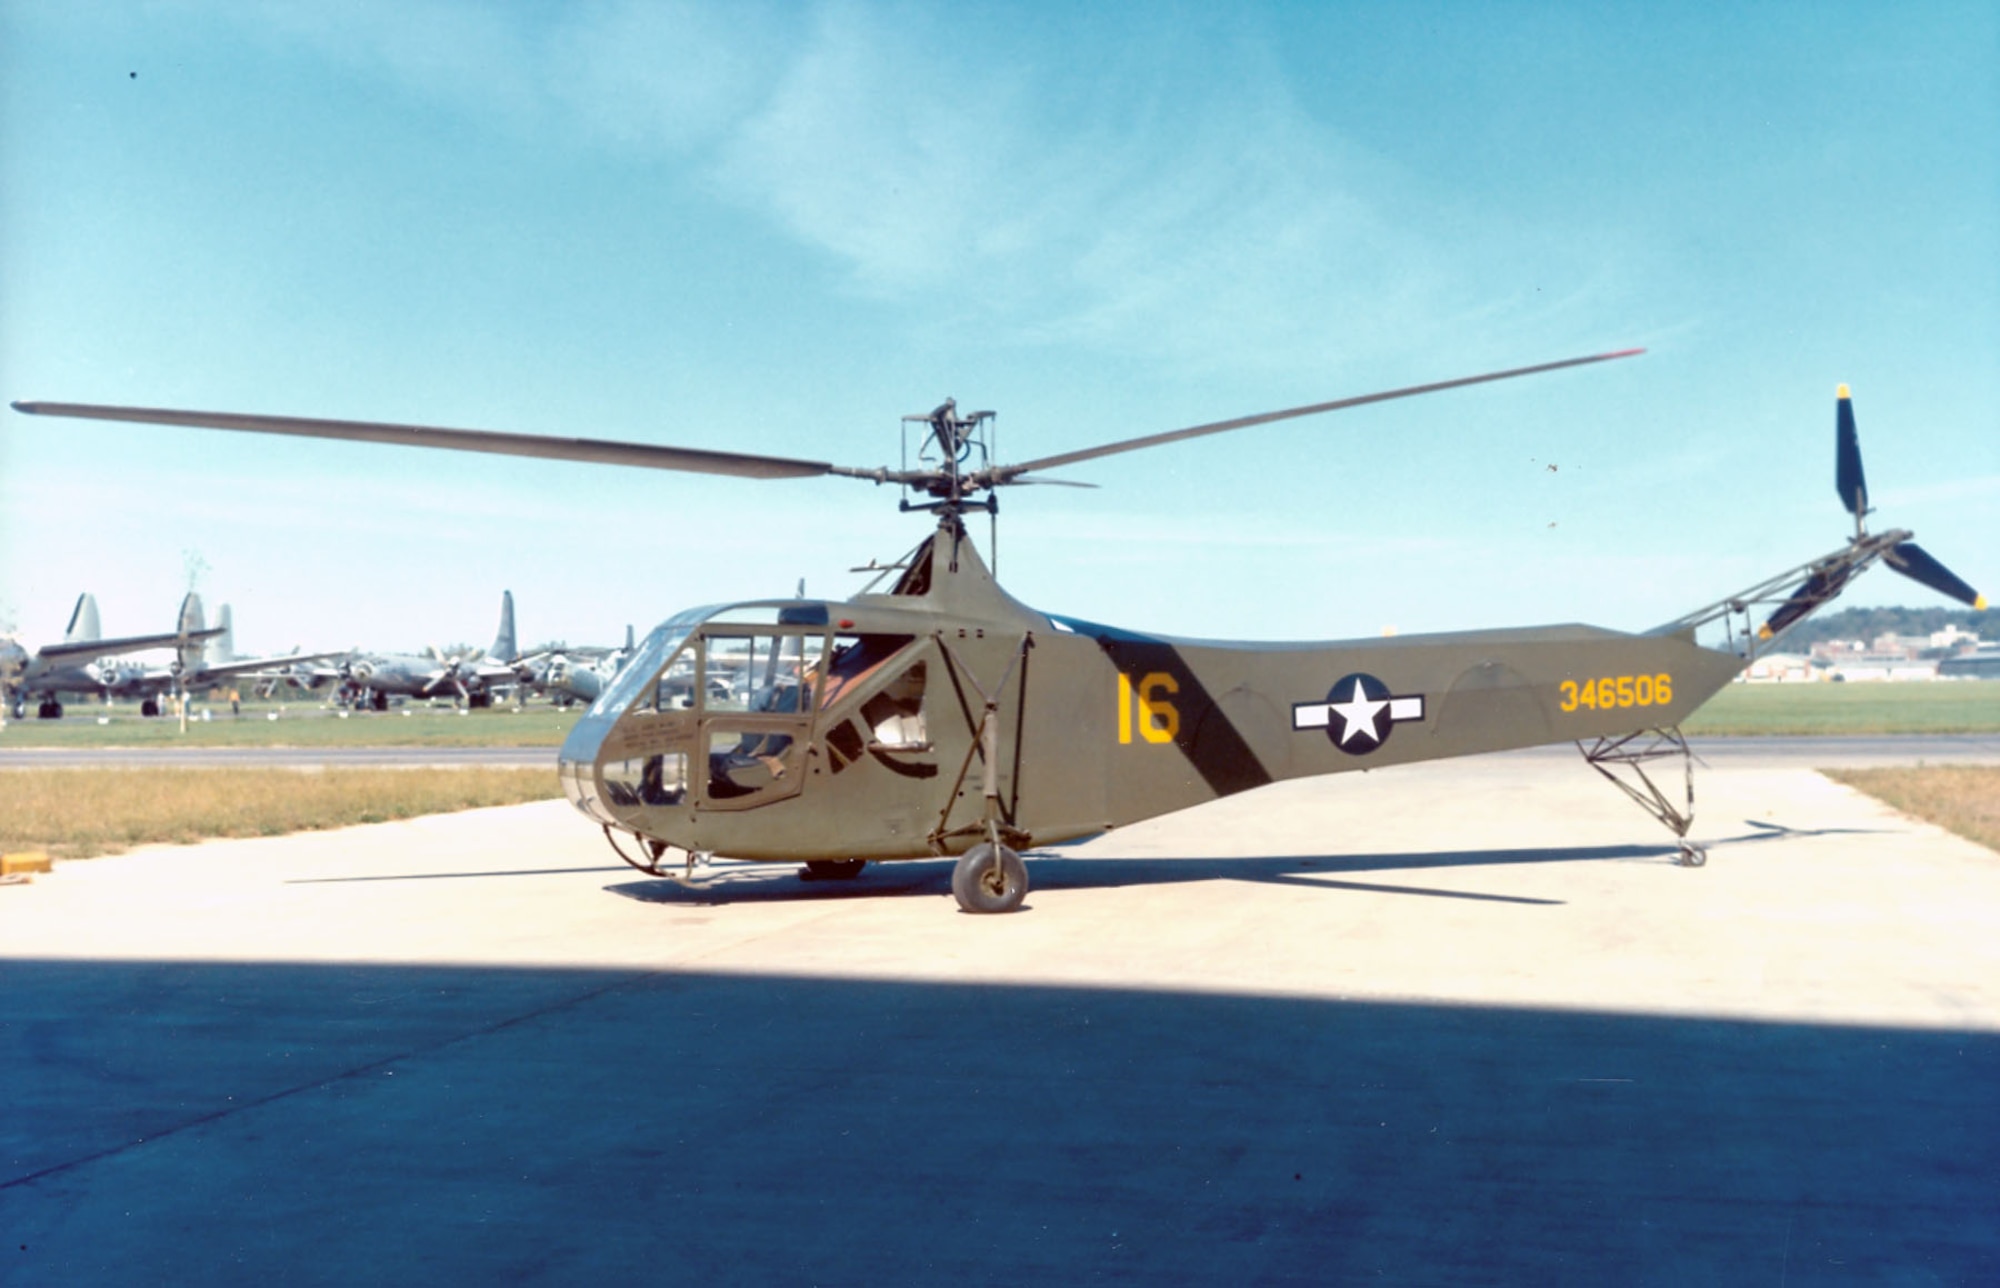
{"x":1159,"y":720}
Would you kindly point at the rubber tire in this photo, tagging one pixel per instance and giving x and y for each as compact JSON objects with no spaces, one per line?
{"x":972,"y":881}
{"x":149,"y":707}
{"x":834,"y":869}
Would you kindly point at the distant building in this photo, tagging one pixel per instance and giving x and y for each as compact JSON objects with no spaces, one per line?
{"x":1872,"y":665}
{"x":1982,"y":663}
{"x":1781,"y":668}
{"x":1903,"y":657}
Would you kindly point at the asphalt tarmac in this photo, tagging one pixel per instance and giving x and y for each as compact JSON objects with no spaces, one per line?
{"x":1463,"y":1022}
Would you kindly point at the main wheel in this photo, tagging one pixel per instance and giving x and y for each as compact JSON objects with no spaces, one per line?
{"x":834,"y":869}
{"x":978,"y":887}
{"x":149,"y":707}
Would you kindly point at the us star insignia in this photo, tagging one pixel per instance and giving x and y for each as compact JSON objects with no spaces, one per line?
{"x":1359,"y":713}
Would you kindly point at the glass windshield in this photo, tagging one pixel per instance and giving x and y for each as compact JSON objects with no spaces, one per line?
{"x":659,"y":645}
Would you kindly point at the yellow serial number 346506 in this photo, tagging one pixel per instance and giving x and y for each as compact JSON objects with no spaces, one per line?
{"x":1618,"y":691}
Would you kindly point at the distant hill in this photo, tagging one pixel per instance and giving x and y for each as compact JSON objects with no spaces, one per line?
{"x":1867,"y":623}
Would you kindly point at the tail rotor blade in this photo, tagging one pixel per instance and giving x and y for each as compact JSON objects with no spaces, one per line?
{"x":1914,"y":562}
{"x":1848,"y":479}
{"x":1816,"y":590}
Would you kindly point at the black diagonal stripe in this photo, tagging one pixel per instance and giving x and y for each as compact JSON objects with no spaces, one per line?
{"x":1206,"y":737}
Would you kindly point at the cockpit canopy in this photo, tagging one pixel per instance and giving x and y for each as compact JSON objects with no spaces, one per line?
{"x":770,"y":654}
{"x":718,"y":705}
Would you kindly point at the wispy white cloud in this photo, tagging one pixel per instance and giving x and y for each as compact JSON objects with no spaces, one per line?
{"x":1175,"y":202}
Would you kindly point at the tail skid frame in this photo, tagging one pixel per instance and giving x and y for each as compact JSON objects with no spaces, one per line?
{"x":1632,"y":752}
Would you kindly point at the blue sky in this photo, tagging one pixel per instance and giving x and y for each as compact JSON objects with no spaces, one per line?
{"x":780,"y":228}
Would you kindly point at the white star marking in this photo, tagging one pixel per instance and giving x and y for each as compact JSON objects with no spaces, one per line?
{"x":1358,"y":713}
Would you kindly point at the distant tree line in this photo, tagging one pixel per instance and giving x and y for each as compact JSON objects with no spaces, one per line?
{"x":1866,"y":624}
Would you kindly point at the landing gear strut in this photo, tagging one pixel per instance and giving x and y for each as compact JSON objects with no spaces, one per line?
{"x":1631,"y":752}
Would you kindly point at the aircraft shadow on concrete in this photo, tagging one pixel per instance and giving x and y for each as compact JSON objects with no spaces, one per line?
{"x":772,"y":883}
{"x":232,"y":1122}
{"x":456,"y":876}
{"x":732,"y":883}
{"x":1055,"y":870}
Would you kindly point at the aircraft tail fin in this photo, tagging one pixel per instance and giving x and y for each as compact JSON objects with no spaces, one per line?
{"x":193,"y":621}
{"x":83,"y":626}
{"x":503,"y":649}
{"x":222,"y":648}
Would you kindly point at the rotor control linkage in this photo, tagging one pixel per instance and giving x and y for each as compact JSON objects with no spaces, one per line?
{"x":1631,"y":752}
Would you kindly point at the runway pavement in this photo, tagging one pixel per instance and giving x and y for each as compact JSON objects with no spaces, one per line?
{"x":1462,"y":1022}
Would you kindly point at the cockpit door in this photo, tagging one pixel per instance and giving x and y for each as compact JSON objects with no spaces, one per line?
{"x":757,"y":691}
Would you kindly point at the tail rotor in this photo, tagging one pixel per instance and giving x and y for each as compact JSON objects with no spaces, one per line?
{"x":1826,"y":578}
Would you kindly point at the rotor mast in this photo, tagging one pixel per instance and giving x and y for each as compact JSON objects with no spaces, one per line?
{"x":961,"y":448}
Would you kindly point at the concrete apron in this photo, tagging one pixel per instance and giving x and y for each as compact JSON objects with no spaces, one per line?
{"x":1462,"y":1022}
{"x":1491,"y":881}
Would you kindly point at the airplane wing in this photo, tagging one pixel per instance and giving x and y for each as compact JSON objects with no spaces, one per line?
{"x":122,"y":644}
{"x":243,"y":666}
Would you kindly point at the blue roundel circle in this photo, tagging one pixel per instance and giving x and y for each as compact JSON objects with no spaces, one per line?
{"x":1358,"y":713}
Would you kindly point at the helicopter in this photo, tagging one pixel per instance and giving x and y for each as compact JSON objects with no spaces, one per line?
{"x":937,"y":716}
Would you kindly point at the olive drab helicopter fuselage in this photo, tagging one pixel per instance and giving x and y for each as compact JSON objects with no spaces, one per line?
{"x":867,"y":720}
{"x":943,"y":717}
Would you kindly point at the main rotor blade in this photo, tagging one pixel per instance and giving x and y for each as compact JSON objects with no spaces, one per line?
{"x":1338,"y":404}
{"x":600,"y":451}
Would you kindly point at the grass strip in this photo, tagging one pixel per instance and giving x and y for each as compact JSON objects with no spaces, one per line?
{"x":298,"y":726}
{"x":77,"y":813}
{"x":1959,"y":706}
{"x":1959,"y":798}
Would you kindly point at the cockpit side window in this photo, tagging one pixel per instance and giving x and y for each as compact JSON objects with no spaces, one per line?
{"x":769,"y":673}
{"x":855,"y":661}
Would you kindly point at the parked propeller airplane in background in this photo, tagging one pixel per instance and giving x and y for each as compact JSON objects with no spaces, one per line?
{"x":80,"y":663}
{"x":371,"y":679}
{"x":568,"y":676}
{"x":944,"y":717}
{"x":199,"y":666}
